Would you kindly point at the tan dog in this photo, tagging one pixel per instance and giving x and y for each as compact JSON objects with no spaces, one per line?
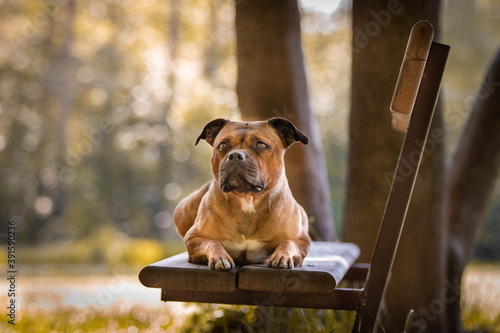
{"x":247,"y":214}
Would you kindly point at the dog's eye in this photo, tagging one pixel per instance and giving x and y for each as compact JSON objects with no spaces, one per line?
{"x":261,"y":145}
{"x":222,"y":146}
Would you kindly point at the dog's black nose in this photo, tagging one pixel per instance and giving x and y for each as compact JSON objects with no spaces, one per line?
{"x":236,"y":156}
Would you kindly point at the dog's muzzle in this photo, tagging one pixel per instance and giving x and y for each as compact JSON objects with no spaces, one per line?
{"x":238,"y":173}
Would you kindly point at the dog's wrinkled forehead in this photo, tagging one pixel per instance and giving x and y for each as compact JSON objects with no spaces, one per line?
{"x":275,"y":128}
{"x":241,"y":132}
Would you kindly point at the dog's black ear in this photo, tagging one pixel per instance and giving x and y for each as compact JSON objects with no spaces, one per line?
{"x":287,"y":131}
{"x":211,"y":130}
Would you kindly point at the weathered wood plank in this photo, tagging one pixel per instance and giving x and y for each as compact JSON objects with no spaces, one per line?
{"x":323,"y":269}
{"x":410,"y":74}
{"x":321,"y":272}
{"x":176,"y":273}
{"x":340,"y":299}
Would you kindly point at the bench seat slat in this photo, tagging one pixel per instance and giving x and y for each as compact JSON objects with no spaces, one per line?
{"x":322,"y":270}
{"x":177,"y":274}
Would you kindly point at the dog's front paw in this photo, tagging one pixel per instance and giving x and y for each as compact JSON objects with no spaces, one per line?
{"x":280,"y":260}
{"x":286,"y":255}
{"x":284,"y":260}
{"x":221,"y":263}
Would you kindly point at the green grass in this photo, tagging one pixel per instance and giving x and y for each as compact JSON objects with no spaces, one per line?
{"x":205,"y":318}
{"x":476,"y":319}
{"x":72,"y":319}
{"x":224,"y":318}
{"x":111,"y":251}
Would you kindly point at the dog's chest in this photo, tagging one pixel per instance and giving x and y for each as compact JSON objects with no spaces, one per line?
{"x":247,"y":205}
{"x":253,"y":251}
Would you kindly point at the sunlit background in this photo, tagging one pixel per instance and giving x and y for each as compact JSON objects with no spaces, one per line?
{"x":100,"y":105}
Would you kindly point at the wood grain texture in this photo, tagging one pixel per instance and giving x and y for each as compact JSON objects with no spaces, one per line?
{"x":176,"y":273}
{"x":373,"y":152}
{"x":321,"y":272}
{"x":340,"y":299}
{"x":323,"y":269}
{"x":410,"y":74}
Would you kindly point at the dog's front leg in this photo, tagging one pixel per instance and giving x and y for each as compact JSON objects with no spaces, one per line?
{"x":207,"y":251}
{"x":289,"y":253}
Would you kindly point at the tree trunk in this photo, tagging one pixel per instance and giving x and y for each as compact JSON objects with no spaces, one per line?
{"x":380,"y":34}
{"x":272,"y":83}
{"x":55,"y":106}
{"x":471,"y":178}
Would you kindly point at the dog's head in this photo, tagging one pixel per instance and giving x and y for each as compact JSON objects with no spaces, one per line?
{"x":248,"y":157}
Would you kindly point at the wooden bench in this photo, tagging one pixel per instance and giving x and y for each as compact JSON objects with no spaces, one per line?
{"x":315,"y":284}
{"x":324,"y":268}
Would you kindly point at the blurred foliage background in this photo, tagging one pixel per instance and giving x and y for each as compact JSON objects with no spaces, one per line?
{"x":101,"y":101}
